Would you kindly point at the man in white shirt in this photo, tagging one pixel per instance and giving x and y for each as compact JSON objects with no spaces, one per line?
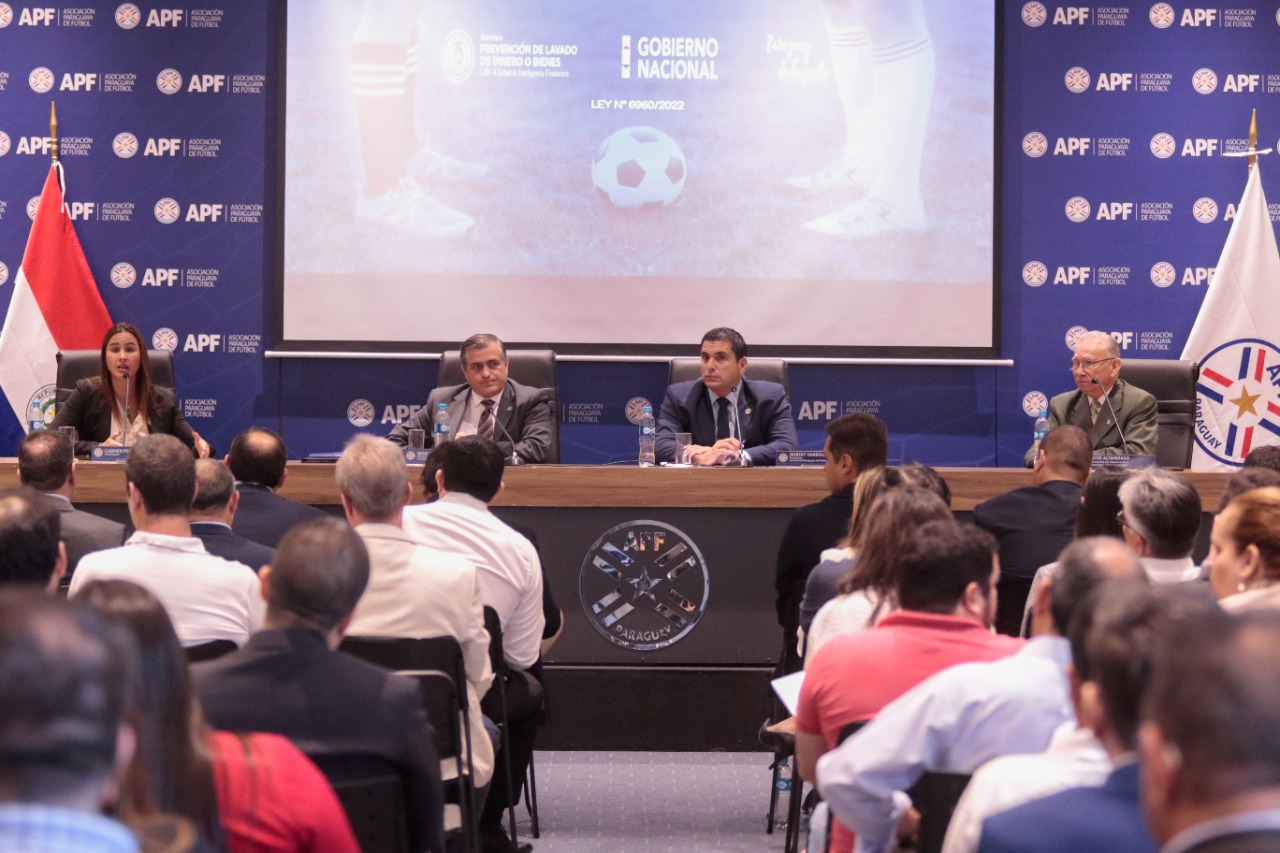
{"x":959,"y":719}
{"x":469,"y":477}
{"x":207,"y":598}
{"x":413,"y":591}
{"x":1160,"y":518}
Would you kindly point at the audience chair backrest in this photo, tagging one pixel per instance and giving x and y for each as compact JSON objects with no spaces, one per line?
{"x":77,"y":364}
{"x":209,"y":651}
{"x":371,"y":791}
{"x":935,"y":797}
{"x":686,"y":368}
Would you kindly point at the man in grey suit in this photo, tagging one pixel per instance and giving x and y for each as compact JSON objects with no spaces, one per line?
{"x":46,"y":463}
{"x":1122,"y":421}
{"x":1208,"y":746}
{"x":489,"y":404}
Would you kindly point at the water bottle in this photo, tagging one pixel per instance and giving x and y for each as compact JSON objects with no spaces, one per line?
{"x":1041,"y":428}
{"x":36,"y":418}
{"x":440,"y":430}
{"x":648,"y":435}
{"x":783,"y":785}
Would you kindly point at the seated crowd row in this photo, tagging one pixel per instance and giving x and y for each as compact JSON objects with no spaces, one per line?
{"x":264,"y":590}
{"x":1140,"y":662}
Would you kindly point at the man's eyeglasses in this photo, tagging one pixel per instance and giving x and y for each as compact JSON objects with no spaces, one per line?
{"x":1121,"y":520}
{"x":1085,"y":365}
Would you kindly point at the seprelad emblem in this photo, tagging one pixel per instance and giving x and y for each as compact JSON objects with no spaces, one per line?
{"x":643,"y":585}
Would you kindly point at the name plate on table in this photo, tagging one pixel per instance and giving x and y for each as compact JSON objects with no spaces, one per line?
{"x":1131,"y":461}
{"x":417,"y":455}
{"x":109,"y":454}
{"x":801,"y":457}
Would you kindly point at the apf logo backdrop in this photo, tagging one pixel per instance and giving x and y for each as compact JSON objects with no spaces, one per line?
{"x":1237,"y":405}
{"x":644,"y":585}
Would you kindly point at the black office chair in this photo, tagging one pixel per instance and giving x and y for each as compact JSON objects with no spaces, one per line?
{"x":935,"y":796}
{"x":77,"y":364}
{"x":685,"y":368}
{"x":1173,"y":384}
{"x":535,"y":368}
{"x":371,"y":791}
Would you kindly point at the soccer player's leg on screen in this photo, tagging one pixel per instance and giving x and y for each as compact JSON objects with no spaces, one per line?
{"x":380,"y":54}
{"x":849,"y":48}
{"x":902,"y":74}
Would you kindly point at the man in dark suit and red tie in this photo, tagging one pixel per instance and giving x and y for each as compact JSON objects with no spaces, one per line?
{"x":733,"y":420}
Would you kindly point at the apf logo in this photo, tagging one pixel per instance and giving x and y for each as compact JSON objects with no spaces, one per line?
{"x":1077,"y":208}
{"x":125,"y":145}
{"x":1073,"y":336}
{"x":123,"y":275}
{"x":1034,"y":273}
{"x":1077,"y":80}
{"x":165,"y":339}
{"x":643,"y":585}
{"x":202,"y":343}
{"x":167,"y":211}
{"x":635,"y":409}
{"x":169,"y":81}
{"x":1034,"y":14}
{"x":128,"y":16}
{"x":1034,"y":144}
{"x":360,"y":413}
{"x":1161,"y":16}
{"x":818,"y":410}
{"x":458,"y":56}
{"x":1163,"y":145}
{"x":40,"y":80}
{"x":6,"y":15}
{"x":1163,"y":274}
{"x":1237,"y":395}
{"x":33,"y":204}
{"x":165,"y":17}
{"x":1205,"y":210}
{"x":4,"y":273}
{"x":4,"y":143}
{"x":1204,"y":81}
{"x":1198,"y":17}
{"x":1033,"y":403}
{"x":1070,"y":15}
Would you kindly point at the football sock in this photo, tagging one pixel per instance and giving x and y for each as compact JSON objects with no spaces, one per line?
{"x":851,"y":67}
{"x":378,"y":81}
{"x":903,"y":74}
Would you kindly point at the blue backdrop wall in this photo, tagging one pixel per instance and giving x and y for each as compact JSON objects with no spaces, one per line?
{"x":1115,"y":201}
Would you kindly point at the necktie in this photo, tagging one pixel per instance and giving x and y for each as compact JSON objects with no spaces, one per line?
{"x":1095,"y":407}
{"x":722,"y":418}
{"x":486,"y":420}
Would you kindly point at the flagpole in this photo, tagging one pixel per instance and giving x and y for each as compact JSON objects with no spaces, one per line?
{"x":1253,"y":140}
{"x":53,"y":129}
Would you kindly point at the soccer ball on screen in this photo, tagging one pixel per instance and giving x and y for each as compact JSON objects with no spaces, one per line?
{"x":637,"y":166}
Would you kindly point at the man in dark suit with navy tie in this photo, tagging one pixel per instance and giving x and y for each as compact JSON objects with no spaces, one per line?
{"x":259,"y":462}
{"x":214,"y":510}
{"x":732,"y":420}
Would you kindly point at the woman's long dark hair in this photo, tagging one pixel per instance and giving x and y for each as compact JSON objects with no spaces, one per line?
{"x":171,"y":770}
{"x":141,"y":380}
{"x":1100,"y":502}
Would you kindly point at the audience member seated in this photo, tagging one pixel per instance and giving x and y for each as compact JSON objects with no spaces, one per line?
{"x":1098,"y":516}
{"x":252,"y":791}
{"x":869,"y":591}
{"x":855,"y":443}
{"x":964,"y":716}
{"x":1267,"y":456}
{"x":96,"y":407}
{"x":30,"y":551}
{"x":1160,"y":518}
{"x":259,"y":462}
{"x":413,"y":591}
{"x":1244,"y":552}
{"x":489,"y":404}
{"x":1114,"y":644}
{"x":1208,"y":746}
{"x":47,"y":464}
{"x":947,"y":591}
{"x":1075,"y":756}
{"x":469,"y":477}
{"x":732,"y":420}
{"x":208,"y":598}
{"x":65,"y":734}
{"x":290,"y":680}
{"x":214,"y":510}
{"x":1034,"y":523}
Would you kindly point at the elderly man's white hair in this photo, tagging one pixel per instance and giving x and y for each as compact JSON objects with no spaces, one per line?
{"x":1102,"y":338}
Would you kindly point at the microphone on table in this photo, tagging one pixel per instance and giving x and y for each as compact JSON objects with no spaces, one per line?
{"x":1106,"y":395}
{"x":127,"y":387}
{"x":514,"y":459}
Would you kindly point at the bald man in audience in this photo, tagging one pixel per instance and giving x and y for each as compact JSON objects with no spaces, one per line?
{"x":259,"y":461}
{"x":31,"y":551}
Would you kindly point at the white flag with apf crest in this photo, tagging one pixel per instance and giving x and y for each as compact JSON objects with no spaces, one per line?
{"x":1236,"y":339}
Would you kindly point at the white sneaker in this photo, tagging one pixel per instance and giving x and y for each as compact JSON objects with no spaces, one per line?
{"x":429,"y":166}
{"x":834,"y":176}
{"x":408,"y":208}
{"x":869,"y":217}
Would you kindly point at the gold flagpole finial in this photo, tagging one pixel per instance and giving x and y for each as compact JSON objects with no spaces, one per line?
{"x":1253,"y":139}
{"x":53,"y":129}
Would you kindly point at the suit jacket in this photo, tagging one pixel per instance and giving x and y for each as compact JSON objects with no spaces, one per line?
{"x":763,"y":413}
{"x":221,"y":541}
{"x":524,"y":412}
{"x":83,"y":532}
{"x":90,"y":414}
{"x":813,"y":529}
{"x":264,"y":516}
{"x":1135,"y":410}
{"x":1078,"y":819}
{"x":288,"y":682}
